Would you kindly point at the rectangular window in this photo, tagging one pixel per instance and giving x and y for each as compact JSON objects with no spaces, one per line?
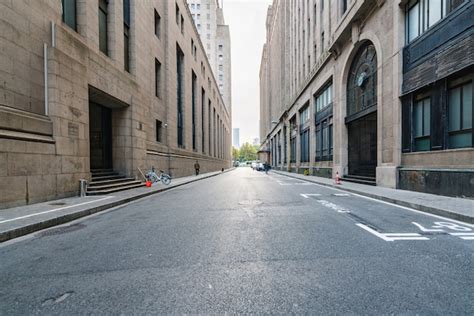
{"x":126,"y":35}
{"x":103,"y":26}
{"x":157,"y":25}
{"x":344,"y":6}
{"x":285,"y":144}
{"x":293,"y":149}
{"x":203,"y":106}
{"x":182,"y":25}
{"x":304,"y":115}
{"x":159,"y":135}
{"x":177,"y":14}
{"x":209,"y":135}
{"x":69,"y":13}
{"x":324,"y":98}
{"x":304,"y":146}
{"x":157,"y":78}
{"x":193,"y":107}
{"x":460,"y":116}
{"x":180,"y":94}
{"x":422,"y":124}
{"x":221,"y":47}
{"x":324,"y":141}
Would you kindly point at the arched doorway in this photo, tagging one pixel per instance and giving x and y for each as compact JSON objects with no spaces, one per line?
{"x":361,"y":118}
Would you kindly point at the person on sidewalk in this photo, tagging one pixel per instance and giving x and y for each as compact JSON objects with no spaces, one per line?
{"x":197,"y":167}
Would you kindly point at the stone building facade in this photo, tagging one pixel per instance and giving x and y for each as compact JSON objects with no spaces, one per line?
{"x":377,"y":91}
{"x":91,"y":85}
{"x":208,"y":17}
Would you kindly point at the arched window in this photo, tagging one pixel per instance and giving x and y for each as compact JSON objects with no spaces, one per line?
{"x":362,"y":82}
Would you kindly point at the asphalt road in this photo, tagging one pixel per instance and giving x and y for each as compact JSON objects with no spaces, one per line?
{"x":244,"y":242}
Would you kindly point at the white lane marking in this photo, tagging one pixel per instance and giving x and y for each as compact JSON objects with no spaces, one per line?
{"x":307,"y":195}
{"x":426,"y":229}
{"x":467,"y":238}
{"x":392,"y":236}
{"x":280,"y":183}
{"x":333,"y":206}
{"x":341,"y":194}
{"x":303,"y":183}
{"x":395,"y":205}
{"x":462,"y":234}
{"x":54,"y":210}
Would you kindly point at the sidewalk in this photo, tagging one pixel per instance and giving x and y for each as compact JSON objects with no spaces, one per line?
{"x":23,"y":220}
{"x":455,"y":208}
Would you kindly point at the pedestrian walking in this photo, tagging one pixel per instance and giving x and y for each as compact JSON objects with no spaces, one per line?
{"x":197,"y":167}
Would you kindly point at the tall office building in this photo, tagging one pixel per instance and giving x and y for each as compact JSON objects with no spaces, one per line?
{"x":236,"y":137}
{"x":208,"y":17}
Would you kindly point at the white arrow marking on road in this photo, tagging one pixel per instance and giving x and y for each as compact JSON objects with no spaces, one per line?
{"x":341,"y":194}
{"x":393,"y":236}
{"x":426,"y":229}
{"x":307,"y":195}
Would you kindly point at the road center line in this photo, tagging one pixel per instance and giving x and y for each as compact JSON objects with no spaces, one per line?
{"x":54,"y":210}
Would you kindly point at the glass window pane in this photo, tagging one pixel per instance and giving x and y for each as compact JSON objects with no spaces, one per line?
{"x":330,"y":94}
{"x":434,"y":12}
{"x":69,"y":13}
{"x":460,"y":140}
{"x":413,"y":22}
{"x":467,"y":106}
{"x":417,"y":119}
{"x":103,"y":31}
{"x":426,"y":117}
{"x":454,"y":109}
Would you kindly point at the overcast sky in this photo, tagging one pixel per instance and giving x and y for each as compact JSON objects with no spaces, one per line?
{"x":246,"y":20}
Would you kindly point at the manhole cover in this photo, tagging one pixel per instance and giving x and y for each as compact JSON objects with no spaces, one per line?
{"x":57,"y":203}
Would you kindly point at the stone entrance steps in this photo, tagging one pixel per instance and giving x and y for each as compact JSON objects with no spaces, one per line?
{"x":359,"y":179}
{"x":105,"y":181}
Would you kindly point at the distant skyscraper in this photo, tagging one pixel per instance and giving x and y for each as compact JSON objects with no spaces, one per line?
{"x":208,"y":17}
{"x":236,"y":137}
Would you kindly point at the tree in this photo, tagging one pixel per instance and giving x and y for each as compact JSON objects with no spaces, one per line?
{"x":235,"y":154}
{"x":248,"y":152}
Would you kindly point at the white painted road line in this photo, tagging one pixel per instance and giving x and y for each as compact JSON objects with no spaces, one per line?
{"x":467,"y":237}
{"x":393,"y":236}
{"x":54,"y":210}
{"x":341,"y":194}
{"x":462,"y":234}
{"x":307,"y":195}
{"x":395,"y":205}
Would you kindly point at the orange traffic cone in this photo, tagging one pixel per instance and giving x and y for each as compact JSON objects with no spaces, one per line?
{"x":338,"y":179}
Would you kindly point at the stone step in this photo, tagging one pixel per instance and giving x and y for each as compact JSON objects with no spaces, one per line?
{"x":103,"y":182}
{"x":360,"y":180}
{"x":104,"y":178}
{"x":103,"y":173}
{"x":116,"y":189}
{"x":112,"y":185}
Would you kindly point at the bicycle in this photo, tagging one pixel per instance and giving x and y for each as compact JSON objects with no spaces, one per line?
{"x":154,"y":178}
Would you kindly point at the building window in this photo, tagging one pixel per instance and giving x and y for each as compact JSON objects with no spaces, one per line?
{"x":159,"y":131}
{"x":182,"y":25}
{"x":193,"y":107}
{"x":324,"y":142}
{"x":208,"y":36}
{"x":193,"y":6}
{"x":198,"y":6}
{"x":285,"y":144}
{"x":69,"y":13}
{"x":208,"y":26}
{"x":180,"y":94}
{"x":221,"y":47}
{"x":103,"y":26}
{"x":203,"y":106}
{"x":324,"y":98}
{"x":126,"y":34}
{"x":157,"y":25}
{"x":343,"y":6}
{"x":423,"y":14}
{"x":460,"y":116}
{"x":221,"y":58}
{"x":221,"y":67}
{"x":177,"y":14}
{"x":304,"y":115}
{"x":422,"y":124}
{"x":304,"y":144}
{"x":157,"y":78}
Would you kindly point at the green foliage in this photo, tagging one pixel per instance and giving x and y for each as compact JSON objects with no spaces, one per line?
{"x":248,"y":152}
{"x":235,"y":154}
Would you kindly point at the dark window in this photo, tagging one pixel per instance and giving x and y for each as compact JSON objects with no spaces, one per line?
{"x":324,"y":141}
{"x":159,"y":135}
{"x":193,"y":107}
{"x":209,"y":135}
{"x":103,"y":45}
{"x":293,"y":149}
{"x":422,"y":124}
{"x":304,"y":145}
{"x":157,"y":25}
{"x":214,"y":135}
{"x":344,"y":6}
{"x":203,"y":105}
{"x":180,"y":94}
{"x":177,"y":14}
{"x":423,"y":14}
{"x":182,"y":25}
{"x":285,"y":144}
{"x":460,"y":116}
{"x":126,"y":12}
{"x":279,"y":147}
{"x":69,"y":13}
{"x":126,"y":47}
{"x":157,"y":78}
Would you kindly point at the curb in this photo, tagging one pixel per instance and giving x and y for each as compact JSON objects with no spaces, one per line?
{"x":418,"y":207}
{"x":31,"y":228}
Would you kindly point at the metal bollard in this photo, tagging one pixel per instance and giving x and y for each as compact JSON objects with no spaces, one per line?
{"x":83,"y":187}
